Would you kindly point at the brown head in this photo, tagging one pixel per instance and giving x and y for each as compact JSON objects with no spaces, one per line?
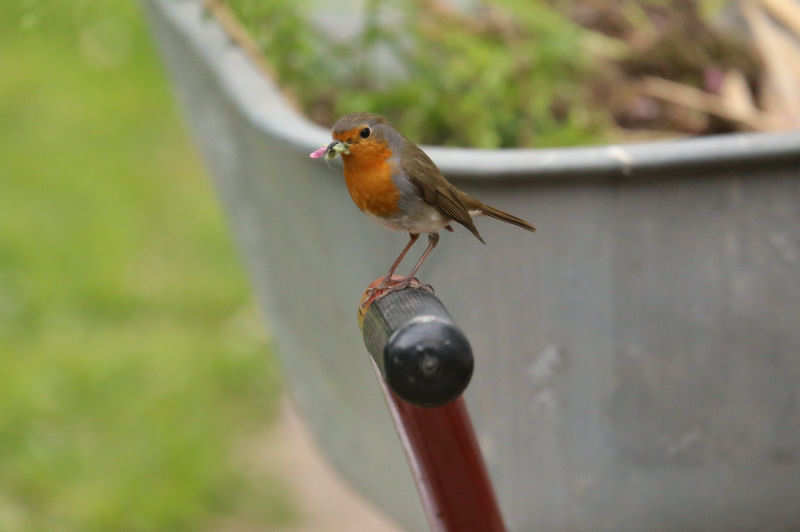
{"x":363,"y":139}
{"x":366,"y":142}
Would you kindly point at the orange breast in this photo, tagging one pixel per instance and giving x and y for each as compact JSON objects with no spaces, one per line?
{"x":368,"y":175}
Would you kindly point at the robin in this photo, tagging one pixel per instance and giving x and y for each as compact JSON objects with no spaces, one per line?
{"x":392,"y":179}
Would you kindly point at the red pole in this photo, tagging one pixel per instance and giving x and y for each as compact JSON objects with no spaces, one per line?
{"x":424,"y":363}
{"x":447,"y":465}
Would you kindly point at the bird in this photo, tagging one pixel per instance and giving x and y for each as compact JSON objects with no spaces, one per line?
{"x":395,"y":182}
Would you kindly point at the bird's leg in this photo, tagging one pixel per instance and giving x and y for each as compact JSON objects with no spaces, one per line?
{"x":412,"y":238}
{"x":387,"y":281}
{"x":433,"y":239}
{"x":399,"y":284}
{"x":388,"y":285}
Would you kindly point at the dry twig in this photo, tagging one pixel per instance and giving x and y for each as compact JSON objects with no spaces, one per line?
{"x":693,"y":98}
{"x":781,"y":58}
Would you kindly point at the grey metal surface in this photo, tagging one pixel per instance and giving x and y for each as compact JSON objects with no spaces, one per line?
{"x":637,"y":359}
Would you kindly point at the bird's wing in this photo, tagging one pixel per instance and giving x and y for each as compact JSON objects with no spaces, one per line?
{"x":435,"y":189}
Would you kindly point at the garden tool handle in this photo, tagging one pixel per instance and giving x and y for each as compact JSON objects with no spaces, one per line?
{"x":424,"y":362}
{"x":421,"y":354}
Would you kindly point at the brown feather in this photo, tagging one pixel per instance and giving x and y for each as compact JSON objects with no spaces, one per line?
{"x":435,"y":189}
{"x":497,"y":214}
{"x":450,"y":201}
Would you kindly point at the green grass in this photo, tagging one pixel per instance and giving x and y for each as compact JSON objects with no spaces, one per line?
{"x":133,"y":361}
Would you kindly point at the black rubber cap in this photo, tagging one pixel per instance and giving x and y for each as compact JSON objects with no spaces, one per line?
{"x":428,"y":362}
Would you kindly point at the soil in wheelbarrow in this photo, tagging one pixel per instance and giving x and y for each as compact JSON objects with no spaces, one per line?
{"x":508,"y":73}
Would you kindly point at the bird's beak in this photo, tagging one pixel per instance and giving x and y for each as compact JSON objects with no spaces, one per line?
{"x":337,"y":147}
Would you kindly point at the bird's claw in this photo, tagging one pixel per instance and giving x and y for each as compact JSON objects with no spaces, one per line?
{"x":388,"y":286}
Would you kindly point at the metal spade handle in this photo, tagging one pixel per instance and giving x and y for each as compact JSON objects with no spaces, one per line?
{"x":423,"y":356}
{"x":424,"y":363}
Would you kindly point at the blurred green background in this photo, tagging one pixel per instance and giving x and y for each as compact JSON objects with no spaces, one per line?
{"x":134,"y":366}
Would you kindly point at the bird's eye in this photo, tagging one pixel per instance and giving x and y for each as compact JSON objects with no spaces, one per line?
{"x":365,"y":132}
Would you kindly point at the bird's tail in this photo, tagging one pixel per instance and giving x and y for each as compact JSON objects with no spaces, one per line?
{"x":505,"y":217}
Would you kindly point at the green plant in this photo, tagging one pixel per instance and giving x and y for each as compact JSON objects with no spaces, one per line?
{"x":505,"y":73}
{"x":509,"y":74}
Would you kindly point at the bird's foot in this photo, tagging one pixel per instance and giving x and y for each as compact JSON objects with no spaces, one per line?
{"x":387,"y":286}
